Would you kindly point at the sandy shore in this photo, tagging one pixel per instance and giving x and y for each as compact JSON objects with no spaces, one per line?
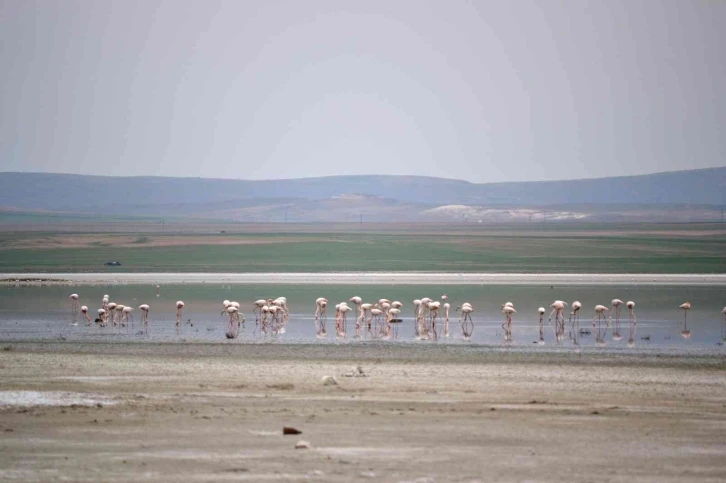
{"x":215,"y":412}
{"x":366,"y":278}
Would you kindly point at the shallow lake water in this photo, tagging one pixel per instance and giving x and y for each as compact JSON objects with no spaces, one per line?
{"x":44,"y":313}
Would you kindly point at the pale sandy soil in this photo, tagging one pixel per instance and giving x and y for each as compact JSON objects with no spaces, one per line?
{"x":215,"y":412}
{"x":369,"y":278}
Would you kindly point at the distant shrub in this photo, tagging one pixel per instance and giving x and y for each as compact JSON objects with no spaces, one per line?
{"x":141,"y":239}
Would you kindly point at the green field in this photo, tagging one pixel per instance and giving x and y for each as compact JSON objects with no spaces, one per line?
{"x":609,"y":249}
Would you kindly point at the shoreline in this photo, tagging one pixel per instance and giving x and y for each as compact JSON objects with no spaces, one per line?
{"x":378,"y":352}
{"x":362,"y":278}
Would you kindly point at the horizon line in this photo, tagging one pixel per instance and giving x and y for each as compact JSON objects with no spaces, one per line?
{"x":356,"y":175}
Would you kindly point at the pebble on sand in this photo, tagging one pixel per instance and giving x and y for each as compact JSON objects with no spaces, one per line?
{"x":302,"y":445}
{"x":329,"y":381}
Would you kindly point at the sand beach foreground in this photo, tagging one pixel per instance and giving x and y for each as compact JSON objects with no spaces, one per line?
{"x":215,"y":412}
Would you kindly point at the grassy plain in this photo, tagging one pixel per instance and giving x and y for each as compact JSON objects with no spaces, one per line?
{"x":198,"y":246}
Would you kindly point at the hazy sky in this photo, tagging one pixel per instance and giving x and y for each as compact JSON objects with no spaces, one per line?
{"x":480,"y":90}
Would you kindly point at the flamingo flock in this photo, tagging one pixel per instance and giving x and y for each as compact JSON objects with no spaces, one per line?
{"x":381,"y":319}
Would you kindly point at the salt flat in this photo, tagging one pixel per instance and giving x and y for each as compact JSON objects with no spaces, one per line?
{"x":368,"y":278}
{"x":214,"y":412}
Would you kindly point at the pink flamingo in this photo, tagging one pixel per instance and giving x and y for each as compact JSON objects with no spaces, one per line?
{"x":84,"y":311}
{"x":575,"y":319}
{"x":321,"y":305}
{"x":508,"y":311}
{"x":447,"y":307}
{"x":144,"y":308}
{"x":393,"y":314}
{"x":558,"y":307}
{"x":179,"y":309}
{"x":375,"y":314}
{"x":433,"y":308}
{"x":357,"y":301}
{"x":233,"y":326}
{"x":342,"y":326}
{"x":127,"y":314}
{"x":360,"y":321}
{"x":633,"y":322}
{"x":74,"y":308}
{"x":111,"y":308}
{"x":616,"y":303}
{"x":599,"y":316}
{"x":686,"y":307}
{"x":265,"y":312}
{"x":257,"y":309}
{"x":416,"y":310}
{"x":120,"y":312}
{"x":467,"y":324}
{"x":102,"y":315}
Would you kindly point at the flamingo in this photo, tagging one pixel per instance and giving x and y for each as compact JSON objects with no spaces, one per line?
{"x":342,"y":326}
{"x":575,"y":318}
{"x":541,"y":312}
{"x":84,"y":311}
{"x":360,"y":321}
{"x":179,"y":309}
{"x":74,"y":308}
{"x":686,"y":307}
{"x":558,"y":307}
{"x":421,"y":317}
{"x":416,"y":309}
{"x":274,"y":319}
{"x":633,"y":322}
{"x":281,"y":302}
{"x":127,"y":314}
{"x":599,"y":315}
{"x":239,"y":316}
{"x":357,"y":301}
{"x":433,"y":308}
{"x":321,"y":304}
{"x":467,"y":325}
{"x":225,"y":304}
{"x":111,"y":310}
{"x":120,"y":313}
{"x":257,"y":309}
{"x":101,"y":317}
{"x":375,"y":313}
{"x":616,"y":303}
{"x":232,"y":327}
{"x":393,"y":319}
{"x":104,"y":302}
{"x":447,"y":306}
{"x":508,"y":310}
{"x":144,"y":308}
{"x":264,"y":311}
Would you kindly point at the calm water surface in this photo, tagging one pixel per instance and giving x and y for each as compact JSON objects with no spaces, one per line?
{"x":44,"y":313}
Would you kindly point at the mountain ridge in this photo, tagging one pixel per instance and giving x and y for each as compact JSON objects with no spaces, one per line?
{"x":338,"y":197}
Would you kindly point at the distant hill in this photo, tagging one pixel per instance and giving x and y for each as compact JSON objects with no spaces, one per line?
{"x":339,"y":198}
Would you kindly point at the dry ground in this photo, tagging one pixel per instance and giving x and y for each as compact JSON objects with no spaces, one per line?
{"x":215,"y":412}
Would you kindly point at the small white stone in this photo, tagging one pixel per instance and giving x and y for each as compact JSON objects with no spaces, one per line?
{"x":302,"y":445}
{"x":329,"y":381}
